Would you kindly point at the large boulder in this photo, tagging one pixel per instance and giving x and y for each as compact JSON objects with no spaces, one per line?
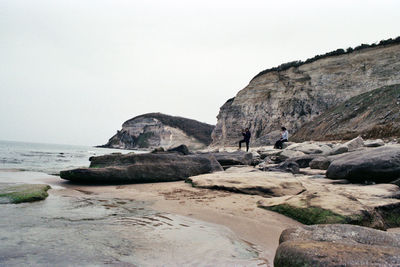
{"x":141,"y":168}
{"x":355,"y":143}
{"x":286,"y":166}
{"x":303,"y":161}
{"x":287,"y":154}
{"x":306,"y":148}
{"x":321,"y":163}
{"x":234,"y":158}
{"x":268,"y":152}
{"x":337,"y":245}
{"x":380,"y":165}
{"x":183,"y":149}
{"x":334,"y":201}
{"x":339,"y":149}
{"x":374,"y":143}
{"x":249,"y":180}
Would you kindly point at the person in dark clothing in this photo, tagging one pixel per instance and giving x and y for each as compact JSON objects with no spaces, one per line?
{"x":246,"y":139}
{"x":284,"y":138}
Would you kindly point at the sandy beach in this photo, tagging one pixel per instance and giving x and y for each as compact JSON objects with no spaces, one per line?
{"x":238,"y":212}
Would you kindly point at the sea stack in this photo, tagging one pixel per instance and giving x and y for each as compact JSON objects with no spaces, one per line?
{"x":152,"y":130}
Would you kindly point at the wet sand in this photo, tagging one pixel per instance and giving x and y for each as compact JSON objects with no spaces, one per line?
{"x":238,"y":212}
{"x":154,"y":224}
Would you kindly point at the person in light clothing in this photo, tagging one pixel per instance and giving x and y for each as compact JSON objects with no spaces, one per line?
{"x":284,"y":138}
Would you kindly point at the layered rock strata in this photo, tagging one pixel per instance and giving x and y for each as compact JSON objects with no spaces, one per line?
{"x":375,"y":114}
{"x":142,"y":168}
{"x":337,"y":245}
{"x":159,"y":130}
{"x":250,"y":181}
{"x":296,"y":95}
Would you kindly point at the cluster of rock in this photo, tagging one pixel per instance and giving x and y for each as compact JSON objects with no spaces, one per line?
{"x":159,"y":166}
{"x":356,"y":183}
{"x":336,"y":188}
{"x":142,"y":168}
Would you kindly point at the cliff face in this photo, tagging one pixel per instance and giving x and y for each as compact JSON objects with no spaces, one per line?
{"x":375,"y":114}
{"x":296,"y":95}
{"x":160,"y":130}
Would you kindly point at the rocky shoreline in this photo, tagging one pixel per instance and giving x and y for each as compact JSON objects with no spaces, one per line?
{"x":315,"y":183}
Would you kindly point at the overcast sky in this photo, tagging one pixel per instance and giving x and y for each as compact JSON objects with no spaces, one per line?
{"x":72,"y":71}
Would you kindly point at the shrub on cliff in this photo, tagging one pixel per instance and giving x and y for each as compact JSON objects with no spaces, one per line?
{"x":337,"y":52}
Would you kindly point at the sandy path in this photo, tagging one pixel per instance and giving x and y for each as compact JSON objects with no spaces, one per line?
{"x":238,"y":212}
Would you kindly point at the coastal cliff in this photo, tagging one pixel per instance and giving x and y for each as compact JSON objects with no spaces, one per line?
{"x":295,"y":93}
{"x":159,"y":130}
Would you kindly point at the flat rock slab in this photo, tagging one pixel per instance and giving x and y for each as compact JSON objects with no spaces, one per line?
{"x":250,"y":181}
{"x":330,"y":201}
{"x":142,"y":168}
{"x":306,"y":148}
{"x":337,"y":245}
{"x":380,"y":165}
{"x":12,"y":193}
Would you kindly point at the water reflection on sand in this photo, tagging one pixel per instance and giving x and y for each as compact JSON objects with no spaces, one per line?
{"x":81,"y":229}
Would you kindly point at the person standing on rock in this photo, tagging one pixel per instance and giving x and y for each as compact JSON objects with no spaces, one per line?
{"x":284,"y":138}
{"x":246,"y":139}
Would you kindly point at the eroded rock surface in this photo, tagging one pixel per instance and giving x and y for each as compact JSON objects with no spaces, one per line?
{"x":337,"y":245}
{"x":19,"y":193}
{"x":233,"y":158}
{"x":141,"y":168}
{"x":330,"y":201}
{"x":296,"y":95}
{"x":250,"y":181}
{"x":159,"y":130}
{"x":373,"y":114}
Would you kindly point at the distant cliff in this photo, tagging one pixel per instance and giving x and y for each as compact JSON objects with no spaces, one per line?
{"x":375,"y":114}
{"x":160,"y":130}
{"x":295,"y":93}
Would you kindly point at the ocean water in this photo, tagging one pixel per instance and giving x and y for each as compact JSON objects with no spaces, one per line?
{"x":48,"y":158}
{"x":94,"y":230}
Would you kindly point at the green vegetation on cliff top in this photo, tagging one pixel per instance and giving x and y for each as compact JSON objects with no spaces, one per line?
{"x":337,"y":52}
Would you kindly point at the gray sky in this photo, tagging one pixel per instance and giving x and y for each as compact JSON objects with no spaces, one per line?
{"x":72,"y":71}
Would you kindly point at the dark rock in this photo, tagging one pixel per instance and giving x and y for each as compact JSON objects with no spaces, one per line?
{"x":380,"y":165}
{"x":158,"y":150}
{"x":234,"y":158}
{"x":141,"y":168}
{"x":321,"y":163}
{"x":183,"y":149}
{"x":340,"y":149}
{"x":303,"y":161}
{"x":337,"y":245}
{"x":396,"y":182}
{"x":287,"y":166}
{"x":374,"y":143}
